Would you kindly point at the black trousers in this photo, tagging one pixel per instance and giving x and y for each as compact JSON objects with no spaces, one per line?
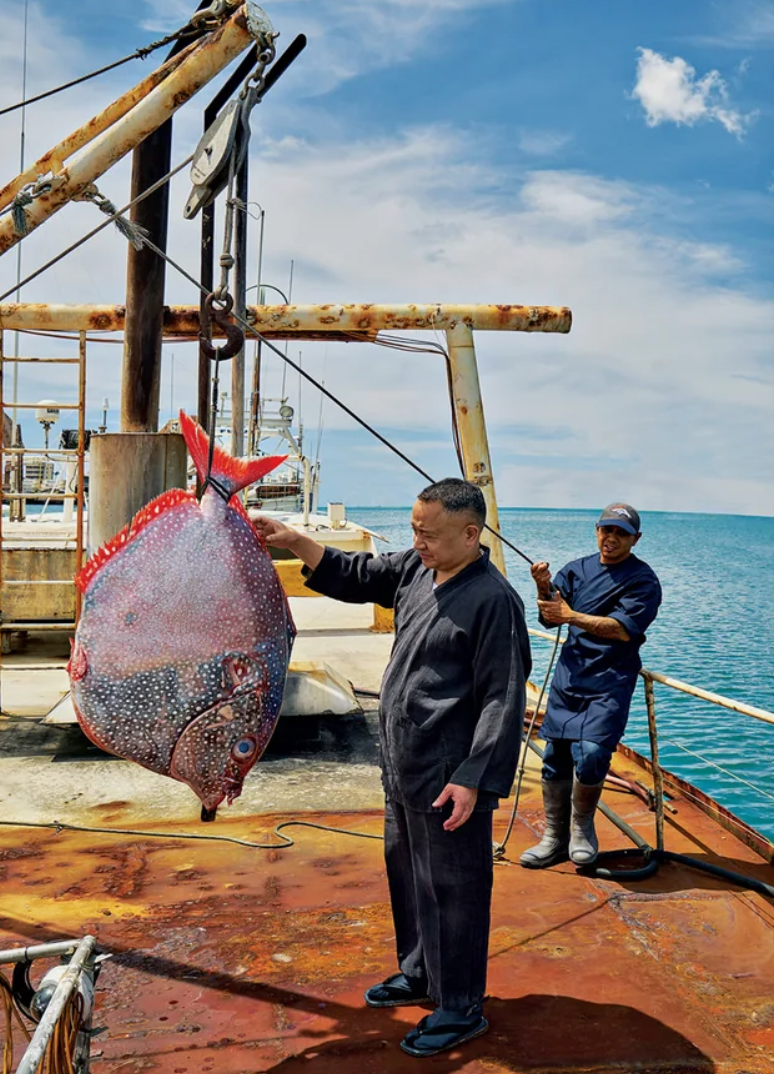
{"x":441,"y":893}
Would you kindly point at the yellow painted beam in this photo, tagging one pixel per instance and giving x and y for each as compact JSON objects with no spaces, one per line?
{"x":384,"y":620}
{"x":289,"y":571}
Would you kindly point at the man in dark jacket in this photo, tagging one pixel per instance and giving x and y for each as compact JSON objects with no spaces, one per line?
{"x":451,"y":715}
{"x":608,"y":601}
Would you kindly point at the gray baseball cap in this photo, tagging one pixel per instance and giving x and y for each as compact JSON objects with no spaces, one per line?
{"x":622,"y":515}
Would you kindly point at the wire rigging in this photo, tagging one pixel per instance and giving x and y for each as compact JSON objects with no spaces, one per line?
{"x":186,"y":32}
{"x":245,"y":324}
{"x":385,"y":340}
{"x":95,"y":231}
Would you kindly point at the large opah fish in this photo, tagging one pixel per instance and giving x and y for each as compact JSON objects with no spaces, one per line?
{"x":182,"y":648}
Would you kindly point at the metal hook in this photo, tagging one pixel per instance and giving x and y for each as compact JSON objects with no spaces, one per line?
{"x":218,"y":309}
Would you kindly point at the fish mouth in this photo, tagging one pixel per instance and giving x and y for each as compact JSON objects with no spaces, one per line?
{"x":217,"y":750}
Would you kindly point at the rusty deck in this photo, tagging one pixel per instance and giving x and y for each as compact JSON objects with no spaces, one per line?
{"x":232,"y":960}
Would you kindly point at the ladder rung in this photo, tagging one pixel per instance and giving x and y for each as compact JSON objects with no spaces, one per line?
{"x":45,"y":361}
{"x":40,"y":581}
{"x":40,"y":406}
{"x":47,"y":625}
{"x":42,"y":452}
{"x":40,"y":496}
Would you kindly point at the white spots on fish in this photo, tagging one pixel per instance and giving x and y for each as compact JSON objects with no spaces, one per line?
{"x":184,"y":618}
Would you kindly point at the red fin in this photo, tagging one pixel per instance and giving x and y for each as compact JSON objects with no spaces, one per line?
{"x":232,"y":474}
{"x":172,"y":498}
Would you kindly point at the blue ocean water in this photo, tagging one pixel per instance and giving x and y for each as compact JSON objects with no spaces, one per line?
{"x":715,"y":630}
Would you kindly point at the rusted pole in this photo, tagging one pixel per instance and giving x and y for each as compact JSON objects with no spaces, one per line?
{"x":145,"y":281}
{"x":469,"y":411}
{"x":55,"y":157}
{"x":81,"y":470}
{"x":658,"y":779}
{"x":200,"y":66}
{"x":707,"y":695}
{"x":240,"y":297}
{"x":2,"y":498}
{"x":145,"y":277}
{"x":361,"y":320}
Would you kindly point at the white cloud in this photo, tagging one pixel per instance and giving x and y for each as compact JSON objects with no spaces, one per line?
{"x":743,"y":24}
{"x":411,"y":219}
{"x":753,"y":23}
{"x":575,"y":198}
{"x":670,"y":92}
{"x":347,"y":37}
{"x":543,"y":143}
{"x":663,"y":388}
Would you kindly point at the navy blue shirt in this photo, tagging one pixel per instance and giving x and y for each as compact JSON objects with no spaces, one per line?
{"x":595,"y":677}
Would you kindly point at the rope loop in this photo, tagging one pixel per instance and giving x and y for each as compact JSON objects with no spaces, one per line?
{"x":20,"y":222}
{"x":25,"y":197}
{"x":133,"y":233}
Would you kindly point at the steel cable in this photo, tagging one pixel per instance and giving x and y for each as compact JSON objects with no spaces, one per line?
{"x":95,"y":231}
{"x":321,"y":388}
{"x":139,"y":54}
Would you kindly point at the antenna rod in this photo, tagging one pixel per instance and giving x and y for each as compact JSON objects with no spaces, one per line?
{"x":19,"y":245}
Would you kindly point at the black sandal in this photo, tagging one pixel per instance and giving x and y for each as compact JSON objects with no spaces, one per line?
{"x":442,"y":1031}
{"x":397,"y":991}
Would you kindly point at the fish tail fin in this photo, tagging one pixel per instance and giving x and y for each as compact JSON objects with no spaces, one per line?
{"x":230,"y":473}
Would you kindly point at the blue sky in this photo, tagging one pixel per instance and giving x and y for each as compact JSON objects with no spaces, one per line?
{"x":611,"y":156}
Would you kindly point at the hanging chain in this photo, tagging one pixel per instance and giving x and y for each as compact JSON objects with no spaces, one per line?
{"x":255,"y":83}
{"x":250,"y":94}
{"x":227,"y":257}
{"x":217,"y":308}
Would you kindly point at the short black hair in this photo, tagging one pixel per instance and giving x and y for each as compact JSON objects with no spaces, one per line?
{"x":455,"y":496}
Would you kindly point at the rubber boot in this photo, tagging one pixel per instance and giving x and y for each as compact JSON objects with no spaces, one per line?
{"x":553,"y":847}
{"x":584,"y":845}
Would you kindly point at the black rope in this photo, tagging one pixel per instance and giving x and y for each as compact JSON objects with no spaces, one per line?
{"x":250,"y":328}
{"x":321,"y":388}
{"x":363,"y":422}
{"x":210,"y":481}
{"x":139,"y":54}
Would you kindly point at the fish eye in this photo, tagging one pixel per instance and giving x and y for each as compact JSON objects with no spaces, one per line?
{"x":243,"y":749}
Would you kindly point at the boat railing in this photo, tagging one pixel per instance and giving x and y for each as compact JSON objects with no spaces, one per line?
{"x":649,"y":678}
{"x":63,"y":1033}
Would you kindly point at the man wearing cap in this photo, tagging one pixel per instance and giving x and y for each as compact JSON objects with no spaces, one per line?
{"x":608,"y":601}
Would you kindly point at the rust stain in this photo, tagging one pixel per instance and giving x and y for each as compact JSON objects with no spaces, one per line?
{"x":232,"y":960}
{"x":207,"y":58}
{"x":306,"y":322}
{"x":105,"y":322}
